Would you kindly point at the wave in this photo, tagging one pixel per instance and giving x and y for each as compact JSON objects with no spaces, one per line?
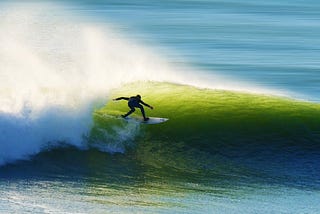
{"x":57,"y":69}
{"x":218,"y":122}
{"x":217,"y":136}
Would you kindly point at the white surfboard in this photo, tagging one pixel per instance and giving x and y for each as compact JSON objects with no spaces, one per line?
{"x":152,"y":120}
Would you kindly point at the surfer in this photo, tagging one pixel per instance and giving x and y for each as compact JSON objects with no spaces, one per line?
{"x":134,"y":102}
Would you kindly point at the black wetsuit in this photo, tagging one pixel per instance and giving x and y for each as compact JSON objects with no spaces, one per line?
{"x":134,"y":102}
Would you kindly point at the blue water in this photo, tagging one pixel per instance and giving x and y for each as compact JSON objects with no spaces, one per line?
{"x":57,"y":67}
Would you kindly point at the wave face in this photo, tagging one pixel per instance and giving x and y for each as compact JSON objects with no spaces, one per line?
{"x":210,"y":129}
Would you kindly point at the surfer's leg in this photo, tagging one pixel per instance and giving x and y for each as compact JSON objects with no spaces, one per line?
{"x":143,"y":114}
{"x":132,"y":109}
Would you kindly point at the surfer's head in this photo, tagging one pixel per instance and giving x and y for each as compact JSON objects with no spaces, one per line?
{"x":138,"y":96}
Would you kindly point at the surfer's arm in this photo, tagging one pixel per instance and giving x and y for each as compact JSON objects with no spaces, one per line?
{"x":145,"y":104}
{"x":121,"y":98}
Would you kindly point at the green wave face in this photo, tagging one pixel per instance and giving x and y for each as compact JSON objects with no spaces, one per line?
{"x":209,"y":124}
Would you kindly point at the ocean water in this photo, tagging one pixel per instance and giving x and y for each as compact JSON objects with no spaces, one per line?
{"x":238,"y":80}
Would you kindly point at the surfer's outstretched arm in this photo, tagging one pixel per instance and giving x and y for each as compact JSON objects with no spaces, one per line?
{"x":121,"y":98}
{"x":145,"y":104}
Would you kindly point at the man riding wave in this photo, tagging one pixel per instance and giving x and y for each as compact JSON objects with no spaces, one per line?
{"x":135,"y":102}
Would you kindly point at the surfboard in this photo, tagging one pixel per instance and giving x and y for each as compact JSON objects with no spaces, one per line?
{"x":152,"y":120}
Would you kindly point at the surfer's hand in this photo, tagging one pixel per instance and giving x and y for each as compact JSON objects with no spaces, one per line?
{"x":151,"y":107}
{"x":114,"y":99}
